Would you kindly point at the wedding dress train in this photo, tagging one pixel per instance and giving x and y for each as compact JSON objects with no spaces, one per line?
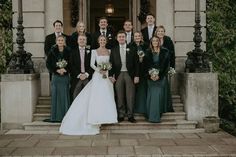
{"x":95,"y":105}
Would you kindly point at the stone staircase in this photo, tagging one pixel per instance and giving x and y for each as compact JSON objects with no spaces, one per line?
{"x":171,"y":120}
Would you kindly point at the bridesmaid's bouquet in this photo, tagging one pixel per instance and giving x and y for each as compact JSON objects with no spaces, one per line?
{"x":61,"y":63}
{"x":141,"y":54}
{"x":171,"y":71}
{"x":105,"y":66}
{"x":153,"y":72}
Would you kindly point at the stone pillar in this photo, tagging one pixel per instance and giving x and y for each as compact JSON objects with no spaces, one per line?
{"x":19,"y":93}
{"x":165,"y":15}
{"x":199,"y":92}
{"x":184,"y":20}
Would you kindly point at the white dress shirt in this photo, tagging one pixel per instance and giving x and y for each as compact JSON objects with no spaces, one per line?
{"x":123,"y":57}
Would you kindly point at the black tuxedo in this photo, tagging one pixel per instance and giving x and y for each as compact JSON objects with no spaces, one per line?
{"x":124,"y":86}
{"x":132,"y":62}
{"x":110,"y":39}
{"x":132,"y":37}
{"x":75,"y":66}
{"x":50,"y":40}
{"x":74,"y":39}
{"x":145,"y":34}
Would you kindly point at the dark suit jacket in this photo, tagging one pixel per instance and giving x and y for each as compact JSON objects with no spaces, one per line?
{"x":162,"y":65}
{"x":54,"y":56}
{"x":145,"y":34}
{"x":74,"y":39}
{"x":50,"y":40}
{"x":75,"y":63}
{"x":168,"y":44}
{"x":110,"y":39}
{"x":132,"y":62}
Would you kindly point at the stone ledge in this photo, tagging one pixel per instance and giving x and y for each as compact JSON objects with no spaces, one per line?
{"x":19,"y":77}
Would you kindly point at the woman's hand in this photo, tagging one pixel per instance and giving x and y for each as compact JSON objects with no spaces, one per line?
{"x":155,"y":78}
{"x":61,"y":71}
{"x":103,"y":72}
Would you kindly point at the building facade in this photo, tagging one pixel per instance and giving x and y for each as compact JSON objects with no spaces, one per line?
{"x":176,"y":15}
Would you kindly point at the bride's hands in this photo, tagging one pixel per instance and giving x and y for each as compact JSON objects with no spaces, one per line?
{"x":103,"y":72}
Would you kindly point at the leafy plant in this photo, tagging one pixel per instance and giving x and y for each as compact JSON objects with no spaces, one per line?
{"x":6,"y":44}
{"x":221,"y":46}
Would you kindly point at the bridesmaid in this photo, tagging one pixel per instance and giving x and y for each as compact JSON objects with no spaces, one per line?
{"x":141,"y":87}
{"x":80,"y":29}
{"x":157,"y":93}
{"x":167,"y":43}
{"x":57,"y":64}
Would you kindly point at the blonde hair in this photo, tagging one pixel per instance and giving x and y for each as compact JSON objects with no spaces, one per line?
{"x":78,"y":23}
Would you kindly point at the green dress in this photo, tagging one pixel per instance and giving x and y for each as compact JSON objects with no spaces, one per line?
{"x":141,"y":87}
{"x":60,"y":98}
{"x":158,"y":92}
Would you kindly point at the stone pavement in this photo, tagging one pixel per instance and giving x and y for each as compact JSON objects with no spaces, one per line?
{"x":145,"y":143}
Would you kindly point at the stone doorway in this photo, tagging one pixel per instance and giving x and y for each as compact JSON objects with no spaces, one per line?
{"x":90,"y":10}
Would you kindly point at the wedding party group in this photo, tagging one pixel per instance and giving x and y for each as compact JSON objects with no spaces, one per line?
{"x":103,"y":78}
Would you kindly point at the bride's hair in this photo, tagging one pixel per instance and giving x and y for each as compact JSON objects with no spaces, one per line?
{"x":102,"y":36}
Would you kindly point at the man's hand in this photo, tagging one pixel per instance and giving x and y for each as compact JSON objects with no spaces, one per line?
{"x":82,"y":77}
{"x":136,"y":80}
{"x":112,"y":79}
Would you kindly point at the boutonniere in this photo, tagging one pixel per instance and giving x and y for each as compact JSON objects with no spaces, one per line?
{"x":109,"y":36}
{"x":87,"y":51}
{"x":88,"y":47}
{"x":127,"y":50}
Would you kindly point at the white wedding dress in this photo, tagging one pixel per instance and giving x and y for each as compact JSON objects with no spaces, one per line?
{"x":95,"y":105}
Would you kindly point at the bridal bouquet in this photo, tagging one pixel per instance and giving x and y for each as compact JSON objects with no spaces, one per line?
{"x":153,"y":72}
{"x":61,"y":63}
{"x":105,"y":66}
{"x":141,"y":54}
{"x":171,"y":71}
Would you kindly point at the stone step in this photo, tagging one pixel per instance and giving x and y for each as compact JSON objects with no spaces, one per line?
{"x":43,"y":109}
{"x":140,"y":125}
{"x":47,"y":100}
{"x":178,"y":107}
{"x":170,"y":116}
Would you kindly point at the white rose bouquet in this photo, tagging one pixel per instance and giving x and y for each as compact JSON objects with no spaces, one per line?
{"x":61,"y":63}
{"x":105,"y":66}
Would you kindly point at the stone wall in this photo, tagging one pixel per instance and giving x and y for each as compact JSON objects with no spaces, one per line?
{"x":178,"y":18}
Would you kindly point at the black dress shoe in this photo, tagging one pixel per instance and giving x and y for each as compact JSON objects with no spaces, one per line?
{"x":121,"y":119}
{"x":132,"y":120}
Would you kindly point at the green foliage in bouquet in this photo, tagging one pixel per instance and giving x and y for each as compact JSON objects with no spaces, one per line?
{"x":6,"y":44}
{"x":221,"y":46}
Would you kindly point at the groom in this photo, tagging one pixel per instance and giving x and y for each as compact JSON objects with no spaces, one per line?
{"x":81,"y":71}
{"x":125,"y":71}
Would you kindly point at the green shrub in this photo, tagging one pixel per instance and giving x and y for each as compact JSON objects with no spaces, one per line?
{"x":221,"y":46}
{"x":6,"y":43}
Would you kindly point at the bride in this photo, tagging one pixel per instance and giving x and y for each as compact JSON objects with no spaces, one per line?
{"x":95,"y":105}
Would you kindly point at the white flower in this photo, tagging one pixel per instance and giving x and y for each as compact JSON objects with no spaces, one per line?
{"x":61,"y":63}
{"x":88,"y":46}
{"x":87,"y":51}
{"x":171,"y":71}
{"x":127,"y":49}
{"x":141,"y":53}
{"x":153,"y":72}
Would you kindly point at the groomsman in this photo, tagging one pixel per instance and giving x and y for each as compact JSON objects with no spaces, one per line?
{"x":125,"y":71}
{"x":50,"y":39}
{"x":150,"y":29}
{"x":81,"y":71}
{"x":103,"y":30}
{"x":128,"y":30}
